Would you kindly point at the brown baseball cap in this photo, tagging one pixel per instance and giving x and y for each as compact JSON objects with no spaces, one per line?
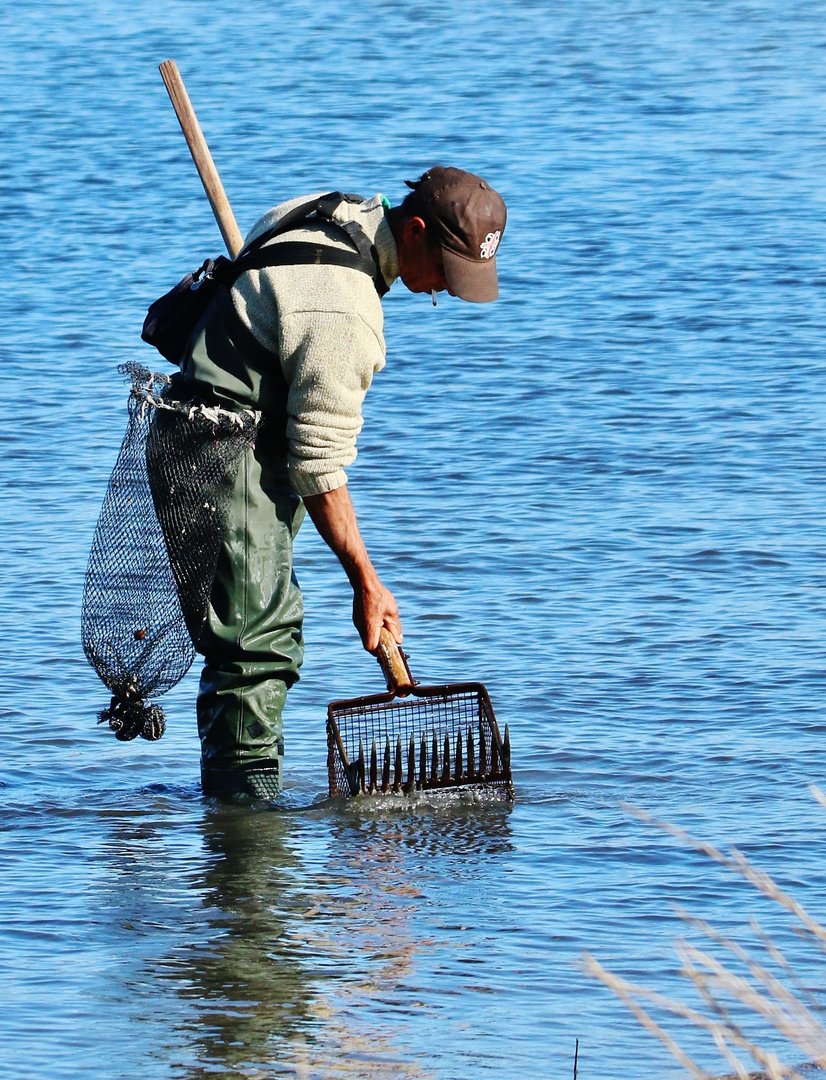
{"x":468,"y":219}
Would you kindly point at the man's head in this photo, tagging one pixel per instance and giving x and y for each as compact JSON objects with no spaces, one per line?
{"x":447,"y":231}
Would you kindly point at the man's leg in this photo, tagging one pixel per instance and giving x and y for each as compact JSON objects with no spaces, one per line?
{"x":252,"y":645}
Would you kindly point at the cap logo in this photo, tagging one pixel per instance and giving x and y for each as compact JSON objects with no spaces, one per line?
{"x":490,"y":244}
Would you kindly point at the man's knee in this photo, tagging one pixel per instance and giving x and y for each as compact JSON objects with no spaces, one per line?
{"x":241,"y":731}
{"x":246,"y":781}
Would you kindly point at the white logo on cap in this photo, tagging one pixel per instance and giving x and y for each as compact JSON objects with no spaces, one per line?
{"x":490,"y":244}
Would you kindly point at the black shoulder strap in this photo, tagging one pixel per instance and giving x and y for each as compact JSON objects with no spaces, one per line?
{"x":255,"y":256}
{"x":325,"y":209}
{"x":291,"y":220}
{"x":303,"y":253}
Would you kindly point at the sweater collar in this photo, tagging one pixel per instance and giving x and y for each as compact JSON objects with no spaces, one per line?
{"x":372,"y":217}
{"x":388,"y":255}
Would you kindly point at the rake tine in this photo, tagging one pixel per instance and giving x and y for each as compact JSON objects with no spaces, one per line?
{"x":457,"y":772}
{"x":446,"y":762}
{"x":423,"y":761}
{"x":506,"y":750}
{"x":361,"y":766}
{"x":483,"y":749}
{"x":411,"y":766}
{"x":494,"y":756}
{"x":352,"y":771}
{"x":471,"y":762}
{"x":385,"y":773}
{"x":397,"y":771}
{"x":374,"y":769}
{"x":434,"y":760}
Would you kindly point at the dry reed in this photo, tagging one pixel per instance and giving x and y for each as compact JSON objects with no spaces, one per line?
{"x":778,"y":1000}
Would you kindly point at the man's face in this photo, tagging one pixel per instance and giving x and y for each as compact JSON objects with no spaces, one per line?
{"x":420,"y":262}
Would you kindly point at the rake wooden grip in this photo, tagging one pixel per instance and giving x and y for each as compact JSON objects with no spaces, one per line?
{"x":201,"y":156}
{"x":393,"y":665}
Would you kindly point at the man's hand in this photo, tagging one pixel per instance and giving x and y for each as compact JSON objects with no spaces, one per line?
{"x":374,"y":606}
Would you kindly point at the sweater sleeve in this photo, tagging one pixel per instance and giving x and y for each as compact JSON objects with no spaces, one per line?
{"x":329,"y":359}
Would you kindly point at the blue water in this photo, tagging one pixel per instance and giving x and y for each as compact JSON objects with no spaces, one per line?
{"x":602,"y":496}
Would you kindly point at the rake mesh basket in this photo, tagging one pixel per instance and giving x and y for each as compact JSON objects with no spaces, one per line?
{"x":439,"y":737}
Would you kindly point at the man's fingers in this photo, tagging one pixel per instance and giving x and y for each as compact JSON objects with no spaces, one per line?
{"x":393,"y":624}
{"x":371,"y":612}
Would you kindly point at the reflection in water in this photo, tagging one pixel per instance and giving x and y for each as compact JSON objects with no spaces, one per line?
{"x":297,"y":938}
{"x":247,"y":978}
{"x":438,"y":827}
{"x":391,"y":855}
{"x":217,"y":900}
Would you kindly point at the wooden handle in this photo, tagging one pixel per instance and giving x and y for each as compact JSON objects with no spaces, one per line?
{"x":202,"y":157}
{"x":393,"y":664}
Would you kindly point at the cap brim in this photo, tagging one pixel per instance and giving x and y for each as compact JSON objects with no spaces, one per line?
{"x":471,"y":279}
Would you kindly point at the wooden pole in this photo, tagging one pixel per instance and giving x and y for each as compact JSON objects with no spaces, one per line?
{"x":202,"y":157}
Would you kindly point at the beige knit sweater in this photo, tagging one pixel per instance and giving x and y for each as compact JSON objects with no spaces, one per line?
{"x":326,"y":325}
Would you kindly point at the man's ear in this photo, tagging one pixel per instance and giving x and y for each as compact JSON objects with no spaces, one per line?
{"x":413,"y":230}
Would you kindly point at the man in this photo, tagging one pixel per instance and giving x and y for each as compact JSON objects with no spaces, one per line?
{"x":301,"y":343}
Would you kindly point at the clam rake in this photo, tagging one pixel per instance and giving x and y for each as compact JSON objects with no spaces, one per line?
{"x":416,"y":738}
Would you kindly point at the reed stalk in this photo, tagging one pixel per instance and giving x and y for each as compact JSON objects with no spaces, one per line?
{"x":767,"y":991}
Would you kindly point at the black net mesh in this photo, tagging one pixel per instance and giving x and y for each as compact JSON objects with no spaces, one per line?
{"x":156,"y":547}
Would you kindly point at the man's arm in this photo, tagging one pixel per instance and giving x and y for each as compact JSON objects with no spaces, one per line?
{"x":334,"y":516}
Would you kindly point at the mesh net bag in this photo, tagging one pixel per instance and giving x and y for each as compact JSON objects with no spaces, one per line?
{"x":156,"y":546}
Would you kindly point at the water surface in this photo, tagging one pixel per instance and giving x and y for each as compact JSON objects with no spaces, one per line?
{"x":602,"y":496}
